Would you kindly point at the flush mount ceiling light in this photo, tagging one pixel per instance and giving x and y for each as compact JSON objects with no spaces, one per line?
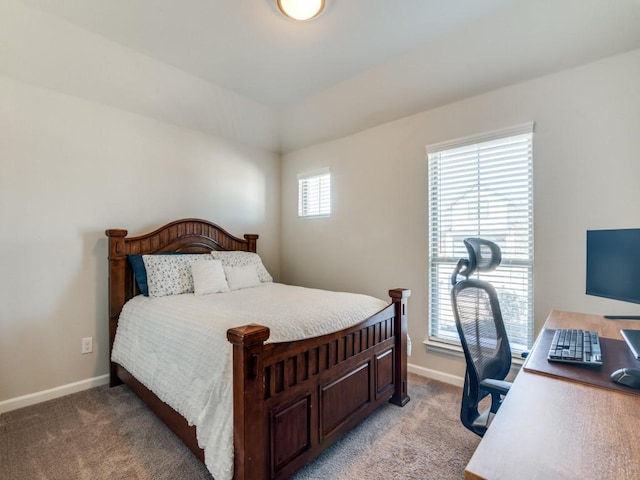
{"x":301,"y":9}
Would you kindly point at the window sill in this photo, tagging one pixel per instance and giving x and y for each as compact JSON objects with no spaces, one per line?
{"x":455,"y":350}
{"x":443,"y":348}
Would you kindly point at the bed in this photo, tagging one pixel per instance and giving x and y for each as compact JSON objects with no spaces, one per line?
{"x":290,"y":399}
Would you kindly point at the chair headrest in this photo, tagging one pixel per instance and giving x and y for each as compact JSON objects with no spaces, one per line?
{"x":484,"y":256}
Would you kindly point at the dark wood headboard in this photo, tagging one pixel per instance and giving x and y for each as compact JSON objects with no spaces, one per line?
{"x":189,"y":235}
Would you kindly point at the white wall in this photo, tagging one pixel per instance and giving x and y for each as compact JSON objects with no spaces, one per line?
{"x":74,"y":163}
{"x":586,"y":171}
{"x":479,"y":57}
{"x":41,"y":49}
{"x":71,"y":169}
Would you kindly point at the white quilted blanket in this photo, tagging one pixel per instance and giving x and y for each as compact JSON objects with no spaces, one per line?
{"x":177,"y":347}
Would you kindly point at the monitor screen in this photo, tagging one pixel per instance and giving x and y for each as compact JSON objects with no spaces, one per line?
{"x":613,"y":264}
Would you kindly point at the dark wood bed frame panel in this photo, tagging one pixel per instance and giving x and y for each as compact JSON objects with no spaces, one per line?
{"x":291,"y":400}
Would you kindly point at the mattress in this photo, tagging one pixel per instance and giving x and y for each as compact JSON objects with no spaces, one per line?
{"x":177,"y":347}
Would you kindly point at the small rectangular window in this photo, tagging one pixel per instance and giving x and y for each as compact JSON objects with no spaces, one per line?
{"x":314,"y":194}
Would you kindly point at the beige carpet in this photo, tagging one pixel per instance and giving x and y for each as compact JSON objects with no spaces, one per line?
{"x":106,"y":433}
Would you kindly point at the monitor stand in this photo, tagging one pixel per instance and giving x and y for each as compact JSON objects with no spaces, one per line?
{"x":622,"y":317}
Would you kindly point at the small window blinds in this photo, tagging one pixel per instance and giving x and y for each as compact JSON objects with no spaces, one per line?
{"x":314,"y":194}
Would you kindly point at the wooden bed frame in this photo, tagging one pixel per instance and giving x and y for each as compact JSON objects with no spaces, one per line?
{"x":291,"y":400}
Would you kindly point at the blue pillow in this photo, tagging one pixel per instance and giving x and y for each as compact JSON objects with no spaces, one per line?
{"x":140,"y":272}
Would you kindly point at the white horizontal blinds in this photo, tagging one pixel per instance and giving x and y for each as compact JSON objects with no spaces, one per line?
{"x":314,"y":194}
{"x":483,"y":189}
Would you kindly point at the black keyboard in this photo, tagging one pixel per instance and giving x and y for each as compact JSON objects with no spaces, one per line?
{"x":575,"y":346}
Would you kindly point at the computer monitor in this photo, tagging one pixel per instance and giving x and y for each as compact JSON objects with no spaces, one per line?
{"x":613,"y":264}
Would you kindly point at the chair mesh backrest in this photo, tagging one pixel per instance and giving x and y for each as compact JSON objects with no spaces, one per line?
{"x":481,"y":329}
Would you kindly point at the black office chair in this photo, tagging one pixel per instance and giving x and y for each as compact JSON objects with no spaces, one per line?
{"x":482,"y":333}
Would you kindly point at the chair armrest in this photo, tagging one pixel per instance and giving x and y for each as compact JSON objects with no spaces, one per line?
{"x":500,"y":387}
{"x":498,"y":390}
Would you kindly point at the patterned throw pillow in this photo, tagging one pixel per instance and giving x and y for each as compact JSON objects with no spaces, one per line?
{"x":170,"y":274}
{"x":241,"y":259}
{"x":140,"y":273}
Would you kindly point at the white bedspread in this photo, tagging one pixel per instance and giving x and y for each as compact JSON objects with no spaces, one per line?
{"x":177,"y":347}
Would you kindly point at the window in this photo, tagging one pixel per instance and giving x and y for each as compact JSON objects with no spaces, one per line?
{"x":482,"y":187}
{"x":314,"y":194}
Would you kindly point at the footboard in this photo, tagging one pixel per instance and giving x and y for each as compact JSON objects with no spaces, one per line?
{"x":294,"y":399}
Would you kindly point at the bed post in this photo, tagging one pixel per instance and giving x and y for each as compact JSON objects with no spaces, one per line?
{"x":399,"y":297}
{"x":250,"y":442}
{"x":117,"y":265}
{"x":251,"y":239}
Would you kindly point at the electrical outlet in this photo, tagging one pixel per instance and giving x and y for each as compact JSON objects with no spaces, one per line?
{"x":87,"y":345}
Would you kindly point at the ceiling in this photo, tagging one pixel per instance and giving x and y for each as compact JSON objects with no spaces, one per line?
{"x":248,"y":47}
{"x":241,"y":70}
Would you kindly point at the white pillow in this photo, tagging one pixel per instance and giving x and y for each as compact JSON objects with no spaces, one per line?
{"x":170,"y":274}
{"x":208,"y":277}
{"x":245,"y":276}
{"x":240,"y":259}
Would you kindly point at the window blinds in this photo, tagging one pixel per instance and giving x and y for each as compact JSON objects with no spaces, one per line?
{"x":483,"y":187}
{"x":314,"y":194}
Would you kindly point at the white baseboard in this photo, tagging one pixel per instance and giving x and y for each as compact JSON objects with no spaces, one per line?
{"x":436,"y":375}
{"x":43,"y":396}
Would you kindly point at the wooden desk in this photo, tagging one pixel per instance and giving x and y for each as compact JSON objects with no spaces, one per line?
{"x":548,"y":428}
